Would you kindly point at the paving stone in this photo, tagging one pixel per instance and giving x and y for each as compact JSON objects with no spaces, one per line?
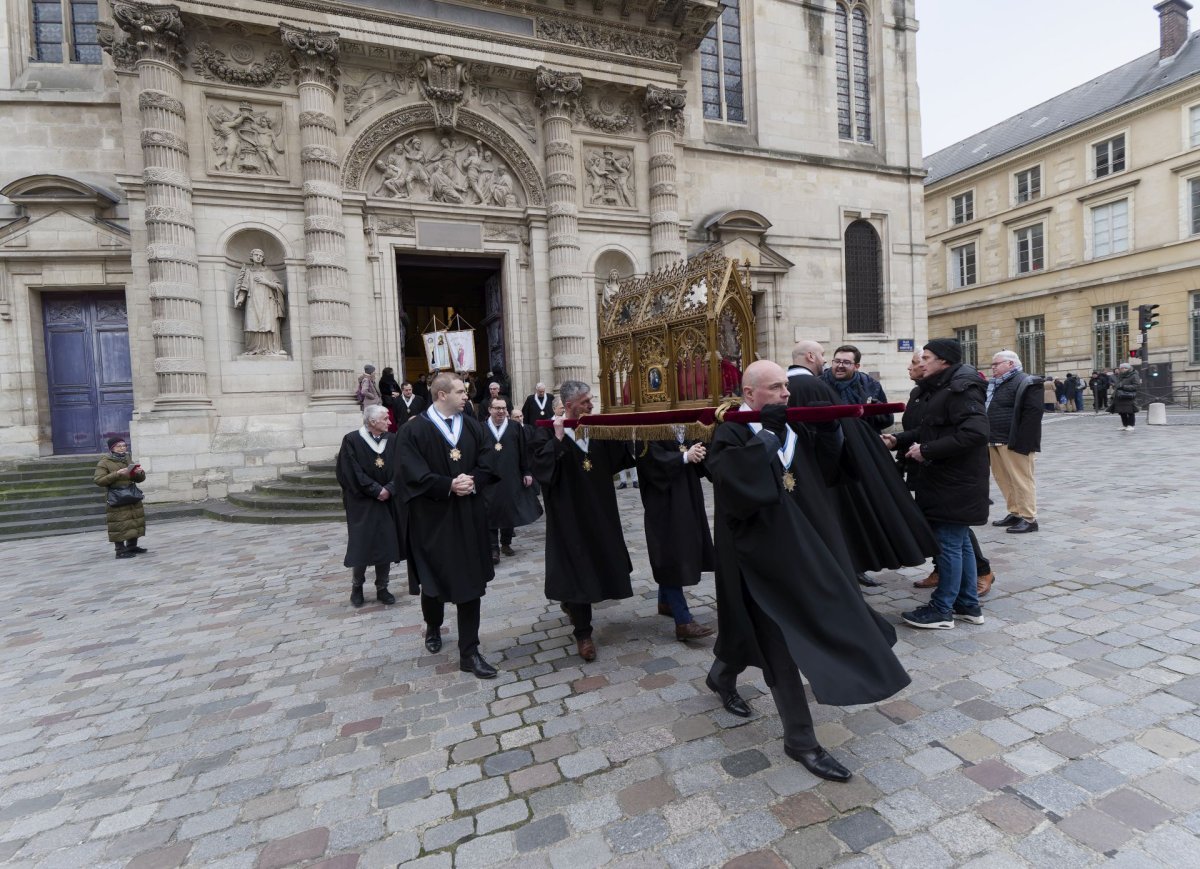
{"x":295,"y":849}
{"x":802,"y":810}
{"x":1053,"y":792}
{"x":813,"y":846}
{"x":443,"y":835}
{"x":861,"y":830}
{"x":484,"y":851}
{"x":636,"y":834}
{"x":750,"y":831}
{"x":480,"y":793}
{"x":917,"y":852}
{"x":506,"y":762}
{"x":992,"y":774}
{"x":1049,"y":847}
{"x":1134,"y":809}
{"x":646,"y":795}
{"x":402,"y":793}
{"x":541,"y":833}
{"x":1011,"y":815}
{"x":966,"y":834}
{"x":698,"y":851}
{"x":503,"y":815}
{"x":1098,"y":831}
{"x":1093,"y":774}
{"x":745,"y":763}
{"x":583,"y":763}
{"x":1170,"y":787}
{"x":581,"y":852}
{"x":161,"y":858}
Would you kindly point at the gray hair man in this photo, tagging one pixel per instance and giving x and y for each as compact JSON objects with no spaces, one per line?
{"x":539,"y":405}
{"x":1014,"y":411}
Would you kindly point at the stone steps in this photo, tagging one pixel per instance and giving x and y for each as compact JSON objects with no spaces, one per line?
{"x":297,"y":497}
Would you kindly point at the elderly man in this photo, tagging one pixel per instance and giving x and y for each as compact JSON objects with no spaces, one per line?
{"x":1014,"y":411}
{"x":366,"y":470}
{"x":854,"y":386}
{"x":539,"y":405}
{"x":485,"y":403}
{"x":786,"y":599}
{"x":586,"y":558}
{"x":444,"y":465}
{"x":946,"y":435}
{"x":511,"y":501}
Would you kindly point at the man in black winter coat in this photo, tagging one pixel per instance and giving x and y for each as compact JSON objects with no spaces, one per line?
{"x":1014,"y":410}
{"x":946,"y":434}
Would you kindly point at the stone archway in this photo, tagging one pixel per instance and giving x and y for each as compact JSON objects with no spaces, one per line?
{"x":369,"y":149}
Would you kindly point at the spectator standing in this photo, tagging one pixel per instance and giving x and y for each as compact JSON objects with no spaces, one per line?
{"x":1124,"y":401}
{"x":1049,"y":400}
{"x":1015,"y":424}
{"x":368,"y":392}
{"x":1071,"y":390}
{"x":1098,"y":384}
{"x":123,"y":511}
{"x":854,"y":386}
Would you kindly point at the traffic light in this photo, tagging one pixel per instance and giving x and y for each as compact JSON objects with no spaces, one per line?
{"x":1135,"y":352}
{"x":1146,"y":315}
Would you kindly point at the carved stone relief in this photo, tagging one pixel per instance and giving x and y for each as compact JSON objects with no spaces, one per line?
{"x":434,"y":167}
{"x":397,"y":225}
{"x":441,"y":79}
{"x":246,"y":139}
{"x":586,"y":34}
{"x":516,"y":107}
{"x":608,"y":112}
{"x":609,"y":177}
{"x":360,"y":94}
{"x":241,"y":65}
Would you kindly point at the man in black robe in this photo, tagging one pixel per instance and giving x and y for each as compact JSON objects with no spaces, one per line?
{"x":366,"y":471}
{"x":444,"y":467}
{"x":785,"y":598}
{"x":485,"y":403}
{"x":407,"y":404}
{"x":511,"y":501}
{"x":677,"y":537}
{"x":539,"y":405}
{"x":586,"y":558}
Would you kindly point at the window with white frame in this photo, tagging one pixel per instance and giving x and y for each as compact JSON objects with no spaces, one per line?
{"x":853,"y":62}
{"x":966,"y":336}
{"x":1031,"y":344}
{"x":1193,"y":126}
{"x":1109,"y":156}
{"x":721,"y":67}
{"x":962,"y":265}
{"x":1110,"y":228}
{"x":1193,"y":188}
{"x":1030,"y":246}
{"x":1111,"y":334}
{"x":65,"y":30}
{"x":962,"y":207}
{"x":1029,"y":184}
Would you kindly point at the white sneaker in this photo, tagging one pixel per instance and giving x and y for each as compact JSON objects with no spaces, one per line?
{"x":1129,"y":428}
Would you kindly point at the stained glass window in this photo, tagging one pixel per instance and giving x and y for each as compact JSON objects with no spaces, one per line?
{"x":721,"y":67}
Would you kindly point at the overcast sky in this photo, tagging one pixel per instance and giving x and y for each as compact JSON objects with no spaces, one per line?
{"x":981,"y":61}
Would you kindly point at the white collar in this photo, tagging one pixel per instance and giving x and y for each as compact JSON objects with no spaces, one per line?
{"x":580,"y":442}
{"x":799,"y":369}
{"x":541,"y":402}
{"x":408,"y":401}
{"x":451,"y":433}
{"x":497,"y":433}
{"x":786,"y":452}
{"x":377,"y":445}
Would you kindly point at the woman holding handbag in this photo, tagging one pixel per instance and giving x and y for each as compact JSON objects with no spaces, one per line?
{"x":123,"y":506}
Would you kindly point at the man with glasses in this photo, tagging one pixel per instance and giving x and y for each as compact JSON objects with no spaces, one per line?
{"x":855,"y":386}
{"x":1014,"y":410}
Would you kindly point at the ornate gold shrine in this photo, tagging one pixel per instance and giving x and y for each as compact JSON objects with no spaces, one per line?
{"x":677,"y":338}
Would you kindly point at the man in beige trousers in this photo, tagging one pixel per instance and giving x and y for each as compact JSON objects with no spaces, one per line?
{"x":1014,"y":410}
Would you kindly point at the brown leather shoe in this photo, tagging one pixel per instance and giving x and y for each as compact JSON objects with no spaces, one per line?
{"x":985,"y":583}
{"x":664,"y":610}
{"x":930,"y":581}
{"x":692,"y":631}
{"x":586,"y":649}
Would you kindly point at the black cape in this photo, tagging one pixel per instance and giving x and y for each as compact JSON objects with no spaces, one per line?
{"x":533,"y":413}
{"x":448,"y":553}
{"x":586,"y":558}
{"x":375,"y":529}
{"x":677,"y":536}
{"x":510,"y":504}
{"x":400,"y":412}
{"x":767,"y":548}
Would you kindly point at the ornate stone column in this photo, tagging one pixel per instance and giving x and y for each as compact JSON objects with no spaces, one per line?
{"x":664,"y":120}
{"x":557,"y":98}
{"x":155,"y":40}
{"x":315,"y":55}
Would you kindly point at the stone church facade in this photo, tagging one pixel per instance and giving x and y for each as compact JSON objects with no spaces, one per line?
{"x":215,"y":215}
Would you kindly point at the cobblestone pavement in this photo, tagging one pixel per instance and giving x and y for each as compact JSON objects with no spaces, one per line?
{"x":219,"y":704}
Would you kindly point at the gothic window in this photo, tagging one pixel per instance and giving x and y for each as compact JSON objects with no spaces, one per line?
{"x":65,"y":29}
{"x":864,"y":279}
{"x":853,"y":60}
{"x":721,"y":67}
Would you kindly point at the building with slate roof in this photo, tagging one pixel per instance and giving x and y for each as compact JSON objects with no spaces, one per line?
{"x":1049,"y":229}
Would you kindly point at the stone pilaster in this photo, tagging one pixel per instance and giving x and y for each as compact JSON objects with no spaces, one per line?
{"x":664,"y":119}
{"x":155,"y":39}
{"x":557,"y":99}
{"x":315,"y":55}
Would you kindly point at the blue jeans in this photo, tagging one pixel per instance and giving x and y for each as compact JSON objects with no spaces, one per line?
{"x":673,"y":597}
{"x":957,"y":579}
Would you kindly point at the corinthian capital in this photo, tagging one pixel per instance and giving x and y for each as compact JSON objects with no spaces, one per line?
{"x":314,"y":54}
{"x":663,"y":109}
{"x":558,"y":92}
{"x":155,"y":32}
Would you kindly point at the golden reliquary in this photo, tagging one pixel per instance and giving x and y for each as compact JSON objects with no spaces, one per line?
{"x":677,"y":338}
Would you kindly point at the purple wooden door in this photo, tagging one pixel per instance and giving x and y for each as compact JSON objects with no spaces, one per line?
{"x":87,"y":364}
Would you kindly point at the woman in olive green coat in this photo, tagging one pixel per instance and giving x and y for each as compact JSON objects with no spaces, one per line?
{"x":126,"y":523}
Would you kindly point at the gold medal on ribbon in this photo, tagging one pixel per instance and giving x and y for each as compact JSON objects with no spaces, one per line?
{"x":499,"y":446}
{"x":587,"y":464}
{"x":455,"y":454}
{"x":379,"y":462}
{"x":789,"y":482}
{"x":682,"y":448}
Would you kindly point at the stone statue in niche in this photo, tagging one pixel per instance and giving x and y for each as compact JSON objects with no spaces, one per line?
{"x":609,"y":177}
{"x":262,"y":297}
{"x":612,"y":284}
{"x":430,"y":168}
{"x":245,"y":141}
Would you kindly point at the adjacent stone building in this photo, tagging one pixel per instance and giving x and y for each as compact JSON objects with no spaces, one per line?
{"x":1048,"y":230}
{"x":215,"y":215}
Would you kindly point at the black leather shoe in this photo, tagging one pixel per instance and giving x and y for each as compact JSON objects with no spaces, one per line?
{"x":140,"y":550}
{"x":1022,"y":526}
{"x":125,"y":553}
{"x":384,"y":596}
{"x":356,"y":596}
{"x":866,"y":581}
{"x":731,"y":700}
{"x":433,"y":640}
{"x":1010,"y":519}
{"x":819,"y":762}
{"x":476,"y":665}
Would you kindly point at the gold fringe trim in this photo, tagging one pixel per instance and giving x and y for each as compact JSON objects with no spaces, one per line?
{"x":692,"y":431}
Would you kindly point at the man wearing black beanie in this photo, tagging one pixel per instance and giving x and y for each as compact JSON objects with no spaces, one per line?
{"x":945,"y":441}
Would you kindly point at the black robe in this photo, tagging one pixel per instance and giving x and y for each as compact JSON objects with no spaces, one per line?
{"x":533,"y":413}
{"x":448,"y":553}
{"x":401,"y":413}
{"x":677,"y":537}
{"x":586,"y":558}
{"x":375,"y":529}
{"x":510,"y":503}
{"x":767,"y":548}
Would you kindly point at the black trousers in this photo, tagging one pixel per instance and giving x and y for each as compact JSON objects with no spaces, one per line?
{"x":434,"y":613}
{"x":783,"y":677}
{"x":1128,"y":419}
{"x":1100,"y":399}
{"x":581,"y":618}
{"x":381,"y":575}
{"x":504,"y":535}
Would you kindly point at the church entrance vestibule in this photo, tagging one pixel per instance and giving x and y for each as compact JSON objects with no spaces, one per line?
{"x":439,"y":286}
